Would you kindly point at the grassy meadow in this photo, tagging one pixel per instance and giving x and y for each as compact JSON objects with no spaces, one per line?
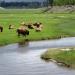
{"x":54,"y":25}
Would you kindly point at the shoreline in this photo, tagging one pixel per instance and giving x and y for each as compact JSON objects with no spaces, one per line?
{"x":60,"y":56}
{"x":32,"y":40}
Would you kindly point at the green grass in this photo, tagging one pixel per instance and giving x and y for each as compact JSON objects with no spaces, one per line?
{"x":54,"y":26}
{"x":20,"y":11}
{"x":64,"y":57}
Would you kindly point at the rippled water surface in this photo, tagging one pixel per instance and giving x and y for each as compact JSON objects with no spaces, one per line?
{"x":17,"y":59}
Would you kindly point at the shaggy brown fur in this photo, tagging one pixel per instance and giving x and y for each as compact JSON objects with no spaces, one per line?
{"x":22,"y":32}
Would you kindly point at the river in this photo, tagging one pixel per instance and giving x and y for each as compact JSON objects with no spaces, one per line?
{"x":24,"y":58}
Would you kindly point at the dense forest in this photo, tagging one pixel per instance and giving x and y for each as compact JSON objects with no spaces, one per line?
{"x":21,"y":4}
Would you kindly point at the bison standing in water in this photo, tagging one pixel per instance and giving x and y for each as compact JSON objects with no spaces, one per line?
{"x":1,"y":29}
{"x":22,"y":32}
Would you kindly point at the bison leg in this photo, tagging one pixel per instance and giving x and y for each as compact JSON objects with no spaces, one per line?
{"x":18,"y":34}
{"x":1,"y":29}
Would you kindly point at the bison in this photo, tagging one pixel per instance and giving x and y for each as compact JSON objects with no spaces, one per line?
{"x":1,"y":29}
{"x":30,"y":26}
{"x":38,"y":26}
{"x":11,"y":26}
{"x":23,"y":23}
{"x":22,"y":32}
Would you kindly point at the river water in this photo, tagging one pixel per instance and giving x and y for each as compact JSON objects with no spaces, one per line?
{"x":24,"y":58}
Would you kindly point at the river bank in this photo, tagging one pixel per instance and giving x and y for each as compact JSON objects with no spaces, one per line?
{"x":62,"y":56}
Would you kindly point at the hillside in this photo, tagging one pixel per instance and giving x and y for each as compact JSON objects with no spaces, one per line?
{"x":60,"y":9}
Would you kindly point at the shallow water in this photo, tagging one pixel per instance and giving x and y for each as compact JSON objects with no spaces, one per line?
{"x":17,"y":59}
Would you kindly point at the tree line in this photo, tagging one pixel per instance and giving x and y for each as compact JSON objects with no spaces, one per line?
{"x":61,"y":2}
{"x":23,"y":4}
{"x":37,"y":4}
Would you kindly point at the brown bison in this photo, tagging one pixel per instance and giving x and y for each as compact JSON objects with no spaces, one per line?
{"x":22,"y":32}
{"x":30,"y":26}
{"x":11,"y":26}
{"x":38,"y":26}
{"x":1,"y":29}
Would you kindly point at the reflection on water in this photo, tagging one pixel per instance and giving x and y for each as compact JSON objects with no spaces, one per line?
{"x":16,"y":59}
{"x":23,"y":43}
